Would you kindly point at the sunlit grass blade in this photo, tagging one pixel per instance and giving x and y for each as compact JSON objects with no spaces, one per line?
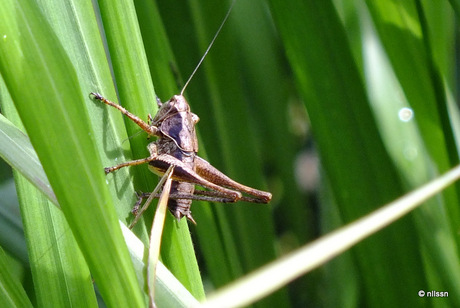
{"x":75,"y":174}
{"x":361,"y":174}
{"x":395,"y":25}
{"x":261,"y":283}
{"x":168,"y":290}
{"x":419,"y":68}
{"x":60,"y":274}
{"x":406,"y":147}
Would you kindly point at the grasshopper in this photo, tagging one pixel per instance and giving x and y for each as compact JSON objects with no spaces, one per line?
{"x":177,"y":145}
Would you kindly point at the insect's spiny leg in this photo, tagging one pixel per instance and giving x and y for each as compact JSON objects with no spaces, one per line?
{"x":129,"y":163}
{"x":140,"y":197}
{"x":149,"y":129}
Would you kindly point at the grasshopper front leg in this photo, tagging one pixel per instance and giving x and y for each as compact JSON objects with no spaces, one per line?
{"x":149,"y":129}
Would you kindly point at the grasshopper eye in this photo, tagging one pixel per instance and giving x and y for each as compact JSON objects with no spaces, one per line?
{"x":195,"y":118}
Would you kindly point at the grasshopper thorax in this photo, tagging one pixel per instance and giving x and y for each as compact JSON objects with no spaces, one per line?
{"x":177,"y":123}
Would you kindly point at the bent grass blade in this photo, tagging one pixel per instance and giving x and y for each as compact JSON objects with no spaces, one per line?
{"x":157,"y":231}
{"x":259,"y":283}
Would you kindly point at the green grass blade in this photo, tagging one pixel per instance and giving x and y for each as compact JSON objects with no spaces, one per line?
{"x":430,"y":39}
{"x":58,"y":117}
{"x":60,"y":274}
{"x":407,"y":149}
{"x":352,"y":151}
{"x":166,"y":75}
{"x":11,"y":231}
{"x":260,"y":283}
{"x":404,"y":22}
{"x":12,"y":293}
{"x":357,"y":67}
{"x":168,"y":290}
{"x":456,"y":6}
{"x":136,"y":94}
{"x":16,"y":150}
{"x":241,"y":233}
{"x":418,"y":69}
{"x":161,"y":60}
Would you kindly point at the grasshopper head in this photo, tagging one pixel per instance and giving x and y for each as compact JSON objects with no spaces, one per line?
{"x":176,"y":104}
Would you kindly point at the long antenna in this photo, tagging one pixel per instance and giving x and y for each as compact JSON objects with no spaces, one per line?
{"x":209,"y":47}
